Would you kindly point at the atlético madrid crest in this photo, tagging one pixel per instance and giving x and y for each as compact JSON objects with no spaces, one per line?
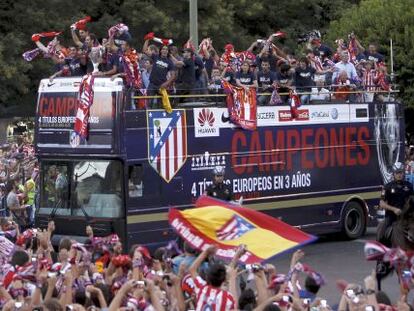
{"x":167,"y":141}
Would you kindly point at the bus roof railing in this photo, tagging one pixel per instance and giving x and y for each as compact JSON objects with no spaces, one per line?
{"x":329,"y":93}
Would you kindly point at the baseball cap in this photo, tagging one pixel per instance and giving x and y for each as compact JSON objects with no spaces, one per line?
{"x":218,"y":171}
{"x":398,"y":167}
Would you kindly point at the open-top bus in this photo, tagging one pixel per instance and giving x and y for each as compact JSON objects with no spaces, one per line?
{"x":321,"y":171}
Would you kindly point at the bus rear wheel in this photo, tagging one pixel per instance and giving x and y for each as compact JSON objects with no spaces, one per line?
{"x":353,"y":221}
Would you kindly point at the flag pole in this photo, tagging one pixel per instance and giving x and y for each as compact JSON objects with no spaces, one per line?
{"x":392,"y":60}
{"x":194,"y":22}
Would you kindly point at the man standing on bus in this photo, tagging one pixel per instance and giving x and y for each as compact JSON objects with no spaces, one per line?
{"x":218,"y":189}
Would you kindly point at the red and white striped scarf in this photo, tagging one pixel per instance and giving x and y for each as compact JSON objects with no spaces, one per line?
{"x":51,"y":47}
{"x":241,"y":105}
{"x":353,"y":50}
{"x":6,"y":248}
{"x":294,"y":103}
{"x":204,"y":45}
{"x":131,"y":69}
{"x":85,"y":100}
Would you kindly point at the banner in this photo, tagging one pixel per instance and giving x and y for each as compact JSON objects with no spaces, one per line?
{"x":227,"y":226}
{"x":85,"y":100}
{"x":167,"y":141}
{"x":242,"y":105}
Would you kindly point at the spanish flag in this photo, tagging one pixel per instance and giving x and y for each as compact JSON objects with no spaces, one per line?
{"x":228,"y":225}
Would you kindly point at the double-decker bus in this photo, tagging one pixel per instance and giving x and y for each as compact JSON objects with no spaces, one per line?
{"x":321,"y":172}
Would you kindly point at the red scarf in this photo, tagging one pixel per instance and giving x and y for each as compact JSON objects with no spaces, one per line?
{"x":294,"y":104}
{"x":242,"y":105}
{"x":353,"y":50}
{"x":131,"y":68}
{"x":81,"y":24}
{"x":85,"y":100}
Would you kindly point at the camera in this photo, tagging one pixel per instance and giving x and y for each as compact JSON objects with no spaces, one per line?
{"x":324,"y":303}
{"x":369,"y":308}
{"x":350,"y":293}
{"x":406,"y":274}
{"x":287,"y":298}
{"x":256,"y":267}
{"x":167,"y":280}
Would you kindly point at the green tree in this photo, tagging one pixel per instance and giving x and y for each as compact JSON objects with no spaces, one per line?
{"x":378,"y":21}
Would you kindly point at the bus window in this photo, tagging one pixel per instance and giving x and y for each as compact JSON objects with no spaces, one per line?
{"x":98,"y":188}
{"x":55,"y":187}
{"x":135,"y":183}
{"x":80,"y":188}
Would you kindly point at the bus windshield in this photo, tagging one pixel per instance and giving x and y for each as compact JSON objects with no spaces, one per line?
{"x":82,"y":188}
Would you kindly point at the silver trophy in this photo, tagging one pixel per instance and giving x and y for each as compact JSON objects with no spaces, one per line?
{"x":96,"y":57}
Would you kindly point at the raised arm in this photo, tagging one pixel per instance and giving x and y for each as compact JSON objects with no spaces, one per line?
{"x":75,"y":37}
{"x":177,"y":63}
{"x":145,"y":46}
{"x":41,"y":46}
{"x":200,"y":259}
{"x":252,"y":46}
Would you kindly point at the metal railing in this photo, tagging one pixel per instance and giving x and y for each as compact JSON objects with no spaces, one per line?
{"x":209,"y":95}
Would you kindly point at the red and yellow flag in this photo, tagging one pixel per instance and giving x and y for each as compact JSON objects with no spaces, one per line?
{"x":227,"y":226}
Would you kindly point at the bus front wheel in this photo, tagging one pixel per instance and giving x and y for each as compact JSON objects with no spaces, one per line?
{"x":353,"y":221}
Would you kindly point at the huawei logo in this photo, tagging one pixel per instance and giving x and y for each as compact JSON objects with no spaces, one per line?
{"x":206,"y":116}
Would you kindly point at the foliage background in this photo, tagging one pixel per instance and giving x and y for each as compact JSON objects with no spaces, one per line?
{"x":236,"y":21}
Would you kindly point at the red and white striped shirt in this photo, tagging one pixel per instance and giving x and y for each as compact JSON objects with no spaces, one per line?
{"x":212,"y":298}
{"x":368,"y":79}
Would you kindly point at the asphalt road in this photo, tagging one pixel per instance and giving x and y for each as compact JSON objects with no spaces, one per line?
{"x":339,"y":260}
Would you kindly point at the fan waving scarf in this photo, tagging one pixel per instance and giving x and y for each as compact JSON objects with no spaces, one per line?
{"x":241,"y":105}
{"x":227,"y":226}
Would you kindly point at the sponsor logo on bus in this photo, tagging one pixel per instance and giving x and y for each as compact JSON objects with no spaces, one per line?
{"x":320,"y":115}
{"x":206,"y":123}
{"x":334,"y":113}
{"x":207,"y":161}
{"x":266,"y":115}
{"x":303,"y":115}
{"x":286,"y":115}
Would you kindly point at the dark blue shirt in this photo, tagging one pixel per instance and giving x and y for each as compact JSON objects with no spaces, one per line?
{"x":161,"y":66}
{"x":265,"y":80}
{"x":304,"y":78}
{"x":199,"y":66}
{"x":186,"y":74}
{"x":323,"y":51}
{"x":229,"y":77}
{"x":376,"y":57}
{"x":76,"y":68}
{"x":245,"y":78}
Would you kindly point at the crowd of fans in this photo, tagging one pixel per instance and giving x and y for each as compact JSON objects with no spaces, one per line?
{"x":266,"y":65}
{"x":96,"y":275}
{"x":18,"y":179}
